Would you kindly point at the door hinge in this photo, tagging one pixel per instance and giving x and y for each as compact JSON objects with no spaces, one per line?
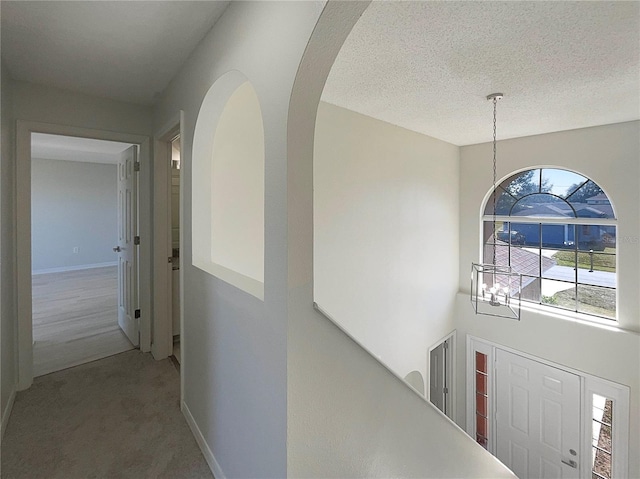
{"x":445,"y":345}
{"x":445,"y":390}
{"x":136,"y":314}
{"x":136,"y":166}
{"x":136,"y":240}
{"x":170,"y":259}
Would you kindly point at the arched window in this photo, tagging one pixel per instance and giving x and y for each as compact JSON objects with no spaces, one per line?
{"x":557,"y":228}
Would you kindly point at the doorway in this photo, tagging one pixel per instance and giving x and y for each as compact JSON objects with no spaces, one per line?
{"x":25,"y":130}
{"x":441,"y":372}
{"x":168,"y":255}
{"x":175,"y":244}
{"x":84,"y":267}
{"x":543,"y":419}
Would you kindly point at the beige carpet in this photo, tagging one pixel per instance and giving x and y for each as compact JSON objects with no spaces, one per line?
{"x":118,"y":417}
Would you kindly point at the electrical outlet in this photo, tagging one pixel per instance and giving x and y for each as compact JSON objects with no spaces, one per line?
{"x":75,"y":250}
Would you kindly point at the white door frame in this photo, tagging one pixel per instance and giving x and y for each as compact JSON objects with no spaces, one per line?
{"x":162,"y":346}
{"x":24,"y":129}
{"x":451,"y":369}
{"x":589,"y":385}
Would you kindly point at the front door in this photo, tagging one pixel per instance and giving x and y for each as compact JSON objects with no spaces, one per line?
{"x":126,"y":247}
{"x":537,"y":418}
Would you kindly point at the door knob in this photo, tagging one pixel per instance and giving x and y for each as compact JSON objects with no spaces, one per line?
{"x":570,"y":462}
{"x":117,"y":249}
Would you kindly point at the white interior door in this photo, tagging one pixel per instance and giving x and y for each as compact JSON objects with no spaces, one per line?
{"x":437,"y":377}
{"x":126,"y":247}
{"x":537,"y":418}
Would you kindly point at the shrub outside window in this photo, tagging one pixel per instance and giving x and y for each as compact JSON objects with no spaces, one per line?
{"x":557,"y":228}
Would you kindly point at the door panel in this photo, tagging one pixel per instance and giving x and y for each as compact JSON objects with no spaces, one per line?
{"x":537,"y":417}
{"x":437,"y":377}
{"x":126,"y":248}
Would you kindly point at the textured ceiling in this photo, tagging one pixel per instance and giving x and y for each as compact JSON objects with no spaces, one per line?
{"x":126,"y":51}
{"x":55,"y":147}
{"x":428,"y":66}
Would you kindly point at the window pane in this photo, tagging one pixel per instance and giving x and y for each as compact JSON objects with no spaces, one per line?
{"x":589,"y":201}
{"x":487,"y":235}
{"x":524,"y":183}
{"x":502,"y":255}
{"x":599,"y":403}
{"x":559,"y":294}
{"x":602,"y":465}
{"x":526,"y":260}
{"x":559,"y":264}
{"x":542,"y":205}
{"x":595,"y":237}
{"x":504,"y":202}
{"x":608,"y":237}
{"x":561,"y":182}
{"x":602,"y":435}
{"x":481,"y":383}
{"x":596,"y":300}
{"x":525,"y":234}
{"x":531,"y":289}
{"x":558,"y":236}
{"x":597,"y":269}
{"x":481,"y":404}
{"x":481,"y":362}
{"x":481,"y":425}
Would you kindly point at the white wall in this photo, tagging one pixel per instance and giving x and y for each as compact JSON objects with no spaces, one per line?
{"x":385,"y":234}
{"x":610,"y":156}
{"x":7,"y":244}
{"x":52,"y":105}
{"x":234,"y":345}
{"x":237,"y":186}
{"x":73,"y":204}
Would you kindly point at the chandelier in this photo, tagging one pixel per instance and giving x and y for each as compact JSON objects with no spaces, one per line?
{"x":495,"y":289}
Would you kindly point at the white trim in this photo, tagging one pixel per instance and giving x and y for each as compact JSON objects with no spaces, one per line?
{"x":78,"y":267}
{"x":162,"y":343}
{"x":6,"y":414}
{"x":202,"y":443}
{"x":620,"y":427}
{"x":24,"y":129}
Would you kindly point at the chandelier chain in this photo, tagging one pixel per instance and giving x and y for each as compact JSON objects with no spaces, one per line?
{"x":495,"y":102}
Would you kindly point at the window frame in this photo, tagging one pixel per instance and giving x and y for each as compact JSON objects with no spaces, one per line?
{"x":549,"y":220}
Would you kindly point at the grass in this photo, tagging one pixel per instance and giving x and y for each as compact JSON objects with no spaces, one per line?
{"x":592,"y":300}
{"x":601,"y":262}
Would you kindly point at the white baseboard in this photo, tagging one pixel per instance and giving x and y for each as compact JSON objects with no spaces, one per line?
{"x":204,"y":447}
{"x":7,"y":411}
{"x":79,"y":267}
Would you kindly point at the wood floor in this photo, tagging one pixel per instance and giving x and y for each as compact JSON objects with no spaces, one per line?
{"x":75,"y":318}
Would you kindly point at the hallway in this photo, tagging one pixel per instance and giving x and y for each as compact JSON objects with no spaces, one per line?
{"x":116,"y":417}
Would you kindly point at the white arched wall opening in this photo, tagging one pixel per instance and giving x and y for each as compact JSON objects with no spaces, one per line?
{"x":366,"y":422}
{"x":228,"y":185}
